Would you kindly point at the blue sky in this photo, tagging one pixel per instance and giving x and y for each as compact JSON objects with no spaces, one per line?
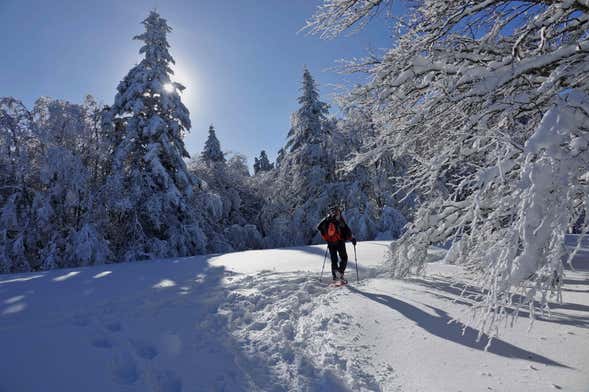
{"x":241,"y":60}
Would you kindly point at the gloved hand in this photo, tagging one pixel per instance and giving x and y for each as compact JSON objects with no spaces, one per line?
{"x":354,"y":241}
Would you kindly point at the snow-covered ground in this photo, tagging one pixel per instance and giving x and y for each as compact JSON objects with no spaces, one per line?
{"x":261,"y":320}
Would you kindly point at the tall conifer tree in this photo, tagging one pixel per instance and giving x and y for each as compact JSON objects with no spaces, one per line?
{"x":301,"y":189}
{"x":149,"y":177}
{"x":306,"y":158}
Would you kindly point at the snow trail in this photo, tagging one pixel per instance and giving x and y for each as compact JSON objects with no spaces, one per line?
{"x":289,"y":323}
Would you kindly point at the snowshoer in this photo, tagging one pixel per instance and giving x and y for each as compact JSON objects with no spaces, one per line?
{"x":335,"y":232}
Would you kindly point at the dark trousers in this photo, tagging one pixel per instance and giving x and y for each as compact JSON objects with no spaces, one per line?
{"x":334,"y":249}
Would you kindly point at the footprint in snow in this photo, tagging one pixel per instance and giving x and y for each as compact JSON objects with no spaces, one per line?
{"x":102,"y":342}
{"x":124,"y":369}
{"x":114,"y":326}
{"x":164,"y":381}
{"x":144,"y":349}
{"x":282,"y":315}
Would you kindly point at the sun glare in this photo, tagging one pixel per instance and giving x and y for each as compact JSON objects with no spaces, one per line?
{"x":169,"y":88}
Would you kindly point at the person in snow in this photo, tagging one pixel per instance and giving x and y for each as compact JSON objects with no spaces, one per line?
{"x":336,"y":232}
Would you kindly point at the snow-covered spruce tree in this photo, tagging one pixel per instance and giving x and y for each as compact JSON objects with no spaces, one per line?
{"x":299,"y":193}
{"x":212,"y":153}
{"x":262,"y":164}
{"x":149,"y":183}
{"x":489,"y":102}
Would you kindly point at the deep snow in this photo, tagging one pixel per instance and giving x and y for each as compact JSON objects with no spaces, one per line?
{"x":261,"y":320}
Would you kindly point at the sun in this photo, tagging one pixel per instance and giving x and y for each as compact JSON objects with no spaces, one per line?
{"x":169,"y":88}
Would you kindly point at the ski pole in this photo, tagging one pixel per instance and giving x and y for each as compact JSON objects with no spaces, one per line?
{"x":356,"y":260}
{"x":322,"y":268}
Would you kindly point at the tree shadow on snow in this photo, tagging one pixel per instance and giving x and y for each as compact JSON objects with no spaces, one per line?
{"x":553,"y":317}
{"x":580,"y":263}
{"x":577,"y":282}
{"x":456,"y":289}
{"x":438,"y":326}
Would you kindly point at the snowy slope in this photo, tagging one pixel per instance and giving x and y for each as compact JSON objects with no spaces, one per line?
{"x":261,"y":320}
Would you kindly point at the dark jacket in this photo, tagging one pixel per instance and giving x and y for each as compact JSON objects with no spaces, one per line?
{"x":342,"y":228}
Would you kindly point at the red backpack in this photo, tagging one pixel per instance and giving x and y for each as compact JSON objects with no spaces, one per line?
{"x":332,"y":233}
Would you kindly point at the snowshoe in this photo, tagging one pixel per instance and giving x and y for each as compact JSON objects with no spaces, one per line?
{"x":338,"y":283}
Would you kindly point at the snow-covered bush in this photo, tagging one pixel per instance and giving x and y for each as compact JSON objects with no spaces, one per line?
{"x":232,"y":205}
{"x":243,"y":237}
